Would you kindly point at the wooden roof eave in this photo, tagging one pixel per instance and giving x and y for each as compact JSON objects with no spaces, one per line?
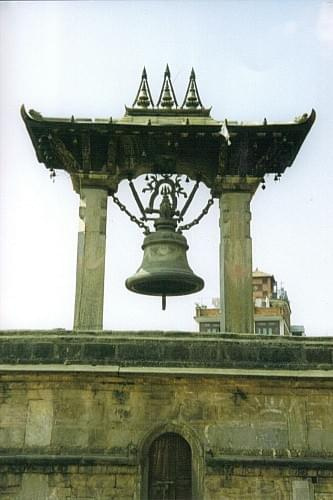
{"x":29,"y":121}
{"x":37,"y":125}
{"x":38,"y":122}
{"x":301,"y":124}
{"x":32,"y":123}
{"x":296,"y":131}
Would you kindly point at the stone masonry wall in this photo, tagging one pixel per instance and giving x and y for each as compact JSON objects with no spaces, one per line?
{"x":85,"y":435}
{"x":67,"y":482}
{"x":118,"y":483}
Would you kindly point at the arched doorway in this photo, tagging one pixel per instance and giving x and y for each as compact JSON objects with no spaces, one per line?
{"x":170,"y":468}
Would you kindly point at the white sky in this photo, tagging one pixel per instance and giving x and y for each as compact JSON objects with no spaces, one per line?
{"x":253,"y":60}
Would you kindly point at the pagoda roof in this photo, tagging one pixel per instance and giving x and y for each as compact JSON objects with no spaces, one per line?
{"x":166,"y":139}
{"x":178,"y":141}
{"x":178,"y":117}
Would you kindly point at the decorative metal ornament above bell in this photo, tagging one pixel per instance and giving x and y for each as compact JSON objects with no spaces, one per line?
{"x":164,"y":270}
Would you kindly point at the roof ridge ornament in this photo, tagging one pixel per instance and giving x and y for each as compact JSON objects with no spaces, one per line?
{"x":192,"y":98}
{"x":143,"y":97}
{"x":167,"y":99}
{"x":167,"y":105}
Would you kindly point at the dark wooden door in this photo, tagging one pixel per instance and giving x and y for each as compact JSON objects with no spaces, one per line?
{"x":170,"y":469}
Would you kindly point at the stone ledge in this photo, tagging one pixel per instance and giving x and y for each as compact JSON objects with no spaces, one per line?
{"x":45,"y":460}
{"x":162,"y":370}
{"x":255,"y":461}
{"x":162,"y":334}
{"x":165,"y":349}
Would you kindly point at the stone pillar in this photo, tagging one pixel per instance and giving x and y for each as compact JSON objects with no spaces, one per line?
{"x":236,"y":255}
{"x":90,"y":269}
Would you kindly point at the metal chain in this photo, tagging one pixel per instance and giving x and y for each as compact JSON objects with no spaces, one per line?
{"x":131,"y":216}
{"x":196,"y":221}
{"x":142,"y":225}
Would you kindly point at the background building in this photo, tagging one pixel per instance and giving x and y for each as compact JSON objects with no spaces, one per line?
{"x":271,"y":309}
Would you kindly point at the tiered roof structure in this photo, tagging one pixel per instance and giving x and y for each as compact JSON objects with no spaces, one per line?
{"x":165,"y":138}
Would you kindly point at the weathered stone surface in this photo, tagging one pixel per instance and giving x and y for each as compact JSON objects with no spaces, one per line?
{"x":87,"y":483}
{"x":169,"y":349}
{"x":73,"y":431}
{"x":120,"y":483}
{"x":89,"y":298}
{"x":302,"y":490}
{"x":39,"y":423}
{"x":34,"y":487}
{"x":258,"y":424}
{"x":236,"y":255}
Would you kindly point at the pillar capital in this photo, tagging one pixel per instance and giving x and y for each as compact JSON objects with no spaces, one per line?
{"x":94,"y":180}
{"x":235,"y":184}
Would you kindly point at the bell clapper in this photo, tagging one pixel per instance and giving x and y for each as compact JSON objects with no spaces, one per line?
{"x":163,"y":302}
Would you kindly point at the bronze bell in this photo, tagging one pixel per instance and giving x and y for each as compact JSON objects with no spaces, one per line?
{"x":164,"y":269}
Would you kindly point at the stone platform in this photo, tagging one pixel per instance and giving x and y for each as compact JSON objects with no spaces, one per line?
{"x":79,"y":412}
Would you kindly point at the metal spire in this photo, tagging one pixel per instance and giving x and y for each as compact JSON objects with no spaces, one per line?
{"x":192,"y":99}
{"x":167,"y":99}
{"x":143,"y":97}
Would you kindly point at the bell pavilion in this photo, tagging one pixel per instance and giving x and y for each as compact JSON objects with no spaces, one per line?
{"x":231,"y":158}
{"x":151,"y":415}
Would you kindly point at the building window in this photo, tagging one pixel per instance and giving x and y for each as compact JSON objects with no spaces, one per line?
{"x":170,"y":468}
{"x":267,"y":327}
{"x":209,"y":326}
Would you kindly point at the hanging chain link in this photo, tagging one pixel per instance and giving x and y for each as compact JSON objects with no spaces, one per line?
{"x":146,"y":228}
{"x":131,"y":216}
{"x":196,"y":221}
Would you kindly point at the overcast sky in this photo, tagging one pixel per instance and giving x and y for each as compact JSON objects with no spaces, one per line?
{"x":257,"y":59}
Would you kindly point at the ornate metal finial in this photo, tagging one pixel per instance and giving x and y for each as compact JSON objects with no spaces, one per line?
{"x":167,"y":99}
{"x":167,"y":186}
{"x":143,"y":97}
{"x":166,"y":211}
{"x":192,"y":99}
